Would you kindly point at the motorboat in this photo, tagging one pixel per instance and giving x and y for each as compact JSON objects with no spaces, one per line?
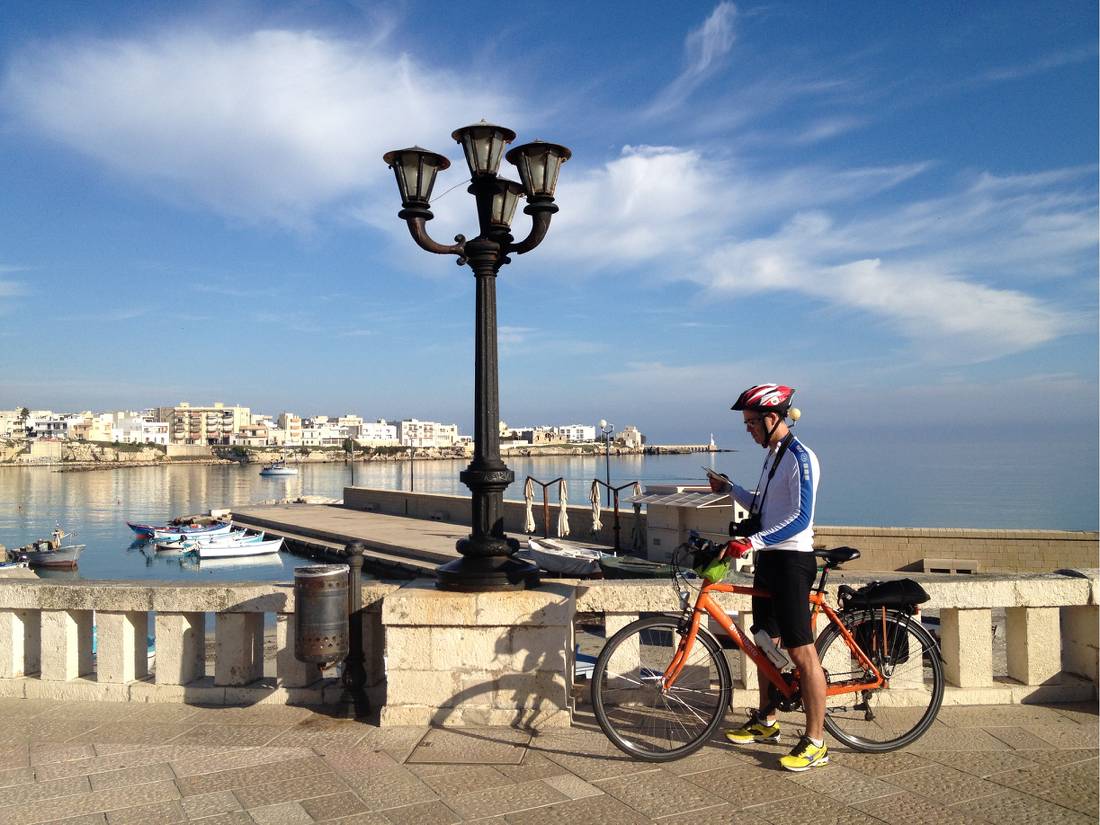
{"x":185,"y":543}
{"x":222,"y":528}
{"x":563,"y":558}
{"x":225,"y":550}
{"x":278,"y":468}
{"x":185,"y":524}
{"x":51,"y":552}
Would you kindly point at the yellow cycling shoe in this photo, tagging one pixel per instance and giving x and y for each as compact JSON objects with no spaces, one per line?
{"x":805,"y":755}
{"x":754,"y":730}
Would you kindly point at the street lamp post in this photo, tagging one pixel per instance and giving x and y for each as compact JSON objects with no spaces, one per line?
{"x":487,"y":561}
{"x":607,"y":429}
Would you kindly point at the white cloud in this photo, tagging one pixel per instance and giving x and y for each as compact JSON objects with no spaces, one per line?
{"x":268,"y":125}
{"x":704,"y":50}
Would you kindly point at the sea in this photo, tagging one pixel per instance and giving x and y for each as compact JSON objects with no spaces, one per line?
{"x":964,"y":486}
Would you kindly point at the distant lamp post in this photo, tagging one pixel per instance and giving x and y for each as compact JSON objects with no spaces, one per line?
{"x":487,"y":562}
{"x":607,"y":429}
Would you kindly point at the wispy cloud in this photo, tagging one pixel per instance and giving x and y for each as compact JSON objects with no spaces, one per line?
{"x":704,"y":51}
{"x":1046,"y":63}
{"x":265,"y":126}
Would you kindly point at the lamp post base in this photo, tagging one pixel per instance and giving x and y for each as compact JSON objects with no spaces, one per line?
{"x":486,"y":573}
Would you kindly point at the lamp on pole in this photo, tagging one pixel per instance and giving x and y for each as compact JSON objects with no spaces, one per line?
{"x":607,"y":429}
{"x":487,"y":561}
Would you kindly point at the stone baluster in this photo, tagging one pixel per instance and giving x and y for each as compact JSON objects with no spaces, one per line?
{"x":1081,"y":640}
{"x":238,"y":648}
{"x":121,"y":646}
{"x":289,"y":672}
{"x":66,"y":644}
{"x":749,"y":680}
{"x":627,"y":659}
{"x":181,"y":648}
{"x":1033,"y":636}
{"x":20,"y":642}
{"x":966,"y":641}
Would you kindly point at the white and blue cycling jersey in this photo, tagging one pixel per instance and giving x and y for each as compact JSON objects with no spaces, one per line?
{"x":787,"y":514}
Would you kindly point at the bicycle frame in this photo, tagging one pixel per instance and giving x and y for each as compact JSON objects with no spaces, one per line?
{"x":705,"y":605}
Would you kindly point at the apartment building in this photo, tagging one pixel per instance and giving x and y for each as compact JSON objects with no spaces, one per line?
{"x":377,"y":434}
{"x":290,"y":426}
{"x":577,"y":433}
{"x":204,"y":425}
{"x":252,"y":435}
{"x":414,"y":433}
{"x":11,"y":426}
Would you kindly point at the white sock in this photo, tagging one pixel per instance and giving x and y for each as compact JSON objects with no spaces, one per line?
{"x":818,"y":743}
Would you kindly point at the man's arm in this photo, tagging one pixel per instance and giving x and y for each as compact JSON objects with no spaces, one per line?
{"x":796,"y":473}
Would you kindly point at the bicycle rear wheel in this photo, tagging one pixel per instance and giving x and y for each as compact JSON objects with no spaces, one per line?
{"x":891,"y":717}
{"x":635,"y":710}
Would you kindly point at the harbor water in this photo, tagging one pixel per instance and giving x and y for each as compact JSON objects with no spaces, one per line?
{"x":978,"y":489}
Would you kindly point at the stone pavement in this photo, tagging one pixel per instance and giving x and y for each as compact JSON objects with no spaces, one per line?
{"x":152,"y":764}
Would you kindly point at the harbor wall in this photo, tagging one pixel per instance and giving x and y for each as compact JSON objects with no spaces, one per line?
{"x":883,"y":548}
{"x":502,"y":658}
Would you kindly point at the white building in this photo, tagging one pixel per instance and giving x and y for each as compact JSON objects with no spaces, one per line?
{"x":630,"y":436}
{"x":290,"y":426}
{"x":577,"y":433}
{"x":47,"y":424}
{"x":414,"y":433}
{"x":9,"y":424}
{"x":377,"y":434}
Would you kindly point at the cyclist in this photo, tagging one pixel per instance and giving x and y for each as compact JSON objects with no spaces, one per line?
{"x":780,"y":531}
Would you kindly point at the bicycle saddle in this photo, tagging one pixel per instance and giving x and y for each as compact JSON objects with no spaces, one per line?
{"x":837,"y":555}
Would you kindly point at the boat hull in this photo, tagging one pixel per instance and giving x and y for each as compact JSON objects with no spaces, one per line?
{"x":67,"y":556}
{"x":220,"y":551}
{"x":564,"y":560}
{"x":628,"y":567}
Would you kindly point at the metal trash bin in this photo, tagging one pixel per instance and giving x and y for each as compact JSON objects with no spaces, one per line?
{"x":321,"y":614}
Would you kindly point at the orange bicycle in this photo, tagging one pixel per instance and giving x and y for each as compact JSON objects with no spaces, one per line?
{"x":662,"y":684}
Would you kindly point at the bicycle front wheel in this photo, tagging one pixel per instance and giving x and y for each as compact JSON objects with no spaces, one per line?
{"x":638,"y":712}
{"x":893,"y":716}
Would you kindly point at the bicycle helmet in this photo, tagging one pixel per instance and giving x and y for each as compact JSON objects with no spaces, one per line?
{"x":765,"y":398}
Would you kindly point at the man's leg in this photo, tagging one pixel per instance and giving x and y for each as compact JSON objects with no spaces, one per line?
{"x":812,"y":681}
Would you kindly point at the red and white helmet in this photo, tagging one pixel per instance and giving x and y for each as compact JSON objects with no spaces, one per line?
{"x":766,"y":398}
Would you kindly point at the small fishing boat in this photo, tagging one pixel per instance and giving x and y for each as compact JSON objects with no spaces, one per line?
{"x":185,"y":524}
{"x":51,"y":552}
{"x":219,"y":529}
{"x":564,"y":558}
{"x":220,"y":550}
{"x":186,"y":543}
{"x":631,"y":567}
{"x":278,"y":468}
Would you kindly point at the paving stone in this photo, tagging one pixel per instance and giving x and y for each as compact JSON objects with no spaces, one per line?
{"x":588,"y":758}
{"x":943,"y":784}
{"x":980,"y":763}
{"x":44,"y":790}
{"x":158,"y":813}
{"x":158,"y":772}
{"x":658,"y":793}
{"x":96,"y":711}
{"x":485,"y":746}
{"x":209,"y":804}
{"x":843,"y":784}
{"x":596,"y":810}
{"x":238,"y":735}
{"x":1071,"y":786}
{"x":230,"y":818}
{"x":262,"y":774}
{"x":1084,"y":713}
{"x":25,"y":731}
{"x":397,"y":741}
{"x":987,"y":716}
{"x":14,"y":756}
{"x":533,"y":766}
{"x":880,"y":764}
{"x":1052,"y":758}
{"x":908,"y":809}
{"x":950,"y":739}
{"x":289,"y":790}
{"x":44,"y":753}
{"x":285,"y":813}
{"x":421,"y":813}
{"x":1081,"y":736}
{"x":726,"y":814}
{"x":102,"y":763}
{"x":253,"y":715}
{"x":751,"y":785}
{"x":390,"y":787}
{"x":1018,"y":738}
{"x":159,"y":712}
{"x":572,"y":786}
{"x":334,"y":806}
{"x":198,"y":760}
{"x":464,"y":779}
{"x":112,"y":799}
{"x":303,"y":737}
{"x":134,"y":733}
{"x":368,"y":818}
{"x":13,"y":708}
{"x":815,"y":808}
{"x":505,"y":800}
{"x":16,"y":776}
{"x":708,"y":758}
{"x":84,"y":819}
{"x":1022,"y":809}
{"x":356,"y":759}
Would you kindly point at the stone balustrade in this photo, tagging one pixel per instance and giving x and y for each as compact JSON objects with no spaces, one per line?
{"x":477,"y":658}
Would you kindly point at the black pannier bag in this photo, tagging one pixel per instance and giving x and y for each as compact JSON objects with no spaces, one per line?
{"x":900,"y":594}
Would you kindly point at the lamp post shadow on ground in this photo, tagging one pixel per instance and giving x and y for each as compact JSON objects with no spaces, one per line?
{"x":487,"y":561}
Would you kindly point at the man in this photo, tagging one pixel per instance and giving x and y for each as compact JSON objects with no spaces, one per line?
{"x":782,"y":538}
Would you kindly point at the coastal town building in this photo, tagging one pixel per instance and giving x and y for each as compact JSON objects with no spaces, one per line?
{"x":377,"y":434}
{"x":414,"y":433}
{"x":252,"y":435}
{"x":577,"y":433}
{"x":291,"y":430}
{"x":10,"y":421}
{"x":630,"y":437}
{"x":204,"y":425}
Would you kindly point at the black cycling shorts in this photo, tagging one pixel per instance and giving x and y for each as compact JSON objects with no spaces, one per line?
{"x":788,"y":575}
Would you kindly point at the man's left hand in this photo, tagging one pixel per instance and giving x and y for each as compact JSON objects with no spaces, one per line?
{"x":736,"y":549}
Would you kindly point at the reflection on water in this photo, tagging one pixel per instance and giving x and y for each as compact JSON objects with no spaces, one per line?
{"x":965,"y":485}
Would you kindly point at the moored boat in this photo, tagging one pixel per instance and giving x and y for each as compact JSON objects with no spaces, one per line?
{"x":564,"y":558}
{"x":220,"y":550}
{"x":278,"y":468}
{"x":51,"y":552}
{"x":184,"y":524}
{"x":631,"y":567}
{"x":220,"y":529}
{"x":186,"y":543}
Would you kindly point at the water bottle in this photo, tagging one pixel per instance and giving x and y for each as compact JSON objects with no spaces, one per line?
{"x":765,"y":643}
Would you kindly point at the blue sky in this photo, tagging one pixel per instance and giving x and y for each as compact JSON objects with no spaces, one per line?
{"x":892,"y":207}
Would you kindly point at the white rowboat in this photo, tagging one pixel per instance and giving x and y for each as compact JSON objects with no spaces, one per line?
{"x":225,"y":551}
